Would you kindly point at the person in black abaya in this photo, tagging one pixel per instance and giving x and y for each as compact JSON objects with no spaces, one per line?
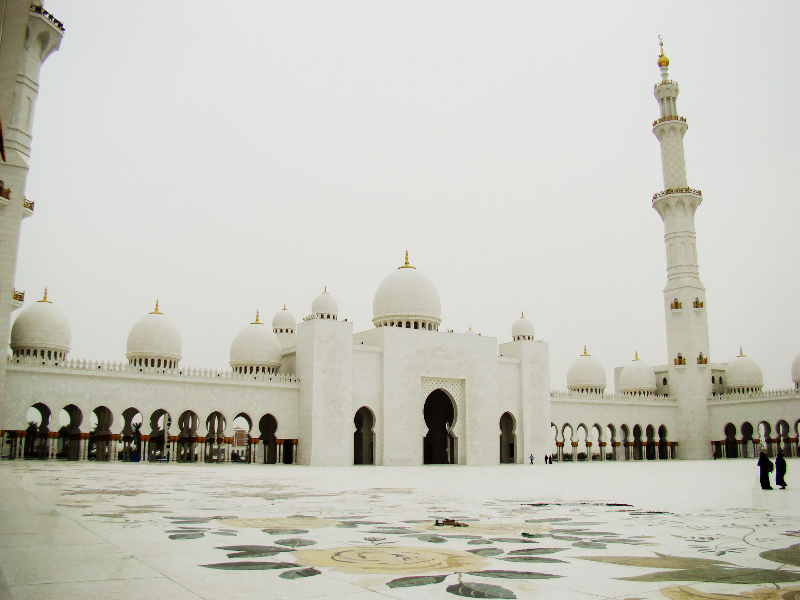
{"x":780,"y":471}
{"x":765,"y":465}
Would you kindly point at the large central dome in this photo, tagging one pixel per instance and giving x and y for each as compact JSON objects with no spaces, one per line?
{"x":407,"y":298}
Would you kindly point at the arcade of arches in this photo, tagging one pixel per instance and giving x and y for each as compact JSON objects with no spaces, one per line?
{"x":70,"y":435}
{"x":747,"y":441}
{"x":597,"y":443}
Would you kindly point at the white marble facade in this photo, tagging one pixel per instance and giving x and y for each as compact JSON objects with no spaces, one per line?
{"x":402,"y":393}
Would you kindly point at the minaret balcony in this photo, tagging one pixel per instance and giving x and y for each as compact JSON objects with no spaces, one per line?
{"x":27,"y":208}
{"x":5,"y":195}
{"x":676,"y":192}
{"x":698,"y":305}
{"x":669,"y":118}
{"x":17,"y":299}
{"x":39,"y":10}
{"x":665,"y":82}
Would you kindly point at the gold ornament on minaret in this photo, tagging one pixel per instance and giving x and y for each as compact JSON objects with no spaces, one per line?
{"x":663,"y":61}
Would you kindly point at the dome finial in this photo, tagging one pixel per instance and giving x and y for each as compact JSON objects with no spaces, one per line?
{"x":584,"y":351}
{"x":637,"y":356}
{"x":44,"y":298}
{"x":284,"y":306}
{"x":406,"y":266}
{"x":155,"y":312}
{"x":741,"y":353}
{"x":663,"y":61}
{"x":325,"y":291}
{"x":256,"y":322}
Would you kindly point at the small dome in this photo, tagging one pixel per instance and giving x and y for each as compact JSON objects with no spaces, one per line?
{"x":255,"y":346}
{"x":637,"y":378}
{"x":586,"y":373}
{"x":522,"y":329}
{"x":743,"y":374}
{"x":41,"y":326}
{"x":796,"y":370}
{"x":325,"y":306}
{"x":284,"y":322}
{"x":154,"y":336}
{"x":407,"y":294}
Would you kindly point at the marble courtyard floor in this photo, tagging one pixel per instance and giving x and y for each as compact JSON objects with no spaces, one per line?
{"x":649,"y":530}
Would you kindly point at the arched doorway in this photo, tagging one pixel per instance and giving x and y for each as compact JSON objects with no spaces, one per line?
{"x":507,"y":438}
{"x":439,"y":445}
{"x":637,"y":442}
{"x":663,"y":444}
{"x":215,"y":438}
{"x":267,"y":426}
{"x":731,"y":446}
{"x":650,"y":444}
{"x":364,"y":437}
{"x":747,"y":439}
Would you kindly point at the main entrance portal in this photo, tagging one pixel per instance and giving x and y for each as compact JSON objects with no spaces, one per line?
{"x":439,"y":445}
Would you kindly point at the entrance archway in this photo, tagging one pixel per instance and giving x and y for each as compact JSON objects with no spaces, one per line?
{"x":267,"y":426}
{"x":507,"y":438}
{"x":439,"y":445}
{"x":364,"y":437}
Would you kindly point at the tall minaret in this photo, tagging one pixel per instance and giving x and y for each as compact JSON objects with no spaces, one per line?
{"x":28,"y":35}
{"x":684,"y":295}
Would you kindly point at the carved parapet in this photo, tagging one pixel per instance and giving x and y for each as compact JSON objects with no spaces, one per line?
{"x":670,"y":191}
{"x":668,"y":118}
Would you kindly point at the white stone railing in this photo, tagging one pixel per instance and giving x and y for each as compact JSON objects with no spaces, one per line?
{"x":123,"y":367}
{"x":762,"y":395}
{"x":618,"y":397}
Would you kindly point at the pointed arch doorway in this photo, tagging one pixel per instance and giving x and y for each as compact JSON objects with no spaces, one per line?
{"x":439,"y":445}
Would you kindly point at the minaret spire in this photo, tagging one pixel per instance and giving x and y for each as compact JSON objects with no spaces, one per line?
{"x":684,"y":294}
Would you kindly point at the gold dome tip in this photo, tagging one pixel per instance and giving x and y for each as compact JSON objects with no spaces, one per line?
{"x":155,"y":312}
{"x":637,"y":356}
{"x":256,"y":322}
{"x":663,"y":61}
{"x":325,"y":291}
{"x":406,"y":266}
{"x":741,"y":353}
{"x":44,"y":298}
{"x":284,"y":306}
{"x":584,"y":351}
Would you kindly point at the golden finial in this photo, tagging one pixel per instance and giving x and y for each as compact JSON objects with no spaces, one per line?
{"x":584,"y":351}
{"x":523,"y":315}
{"x":663,"y":61}
{"x":256,"y":322}
{"x":284,"y":306}
{"x":155,"y":312}
{"x":637,"y":356}
{"x":44,"y":298}
{"x":741,"y":353}
{"x":406,"y":266}
{"x":325,"y":291}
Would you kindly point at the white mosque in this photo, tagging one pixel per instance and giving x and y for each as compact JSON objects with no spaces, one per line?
{"x":315,"y":392}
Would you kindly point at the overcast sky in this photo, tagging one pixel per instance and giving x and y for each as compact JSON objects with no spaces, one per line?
{"x":232,"y":156}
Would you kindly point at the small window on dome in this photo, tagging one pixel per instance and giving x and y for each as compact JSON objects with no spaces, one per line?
{"x":664,"y":381}
{"x":713,"y":379}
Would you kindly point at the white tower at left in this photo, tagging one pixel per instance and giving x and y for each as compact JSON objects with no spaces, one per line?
{"x":28,"y":35}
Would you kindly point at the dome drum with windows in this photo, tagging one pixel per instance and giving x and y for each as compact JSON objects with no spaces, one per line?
{"x":255,"y":349}
{"x":408,"y":299}
{"x":41,"y":331}
{"x":638,"y":378}
{"x":586,"y":375}
{"x":154,"y":341}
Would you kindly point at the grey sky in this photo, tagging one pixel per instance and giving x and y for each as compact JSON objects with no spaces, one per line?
{"x":232,"y":156}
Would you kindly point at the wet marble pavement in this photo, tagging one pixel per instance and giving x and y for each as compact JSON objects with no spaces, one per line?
{"x":646,"y":530}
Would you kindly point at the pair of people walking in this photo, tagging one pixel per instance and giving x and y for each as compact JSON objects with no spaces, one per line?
{"x":766,"y":467}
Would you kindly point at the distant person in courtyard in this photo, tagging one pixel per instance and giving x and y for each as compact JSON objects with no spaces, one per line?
{"x":780,"y":471}
{"x":531,"y":458}
{"x":766,"y":467}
